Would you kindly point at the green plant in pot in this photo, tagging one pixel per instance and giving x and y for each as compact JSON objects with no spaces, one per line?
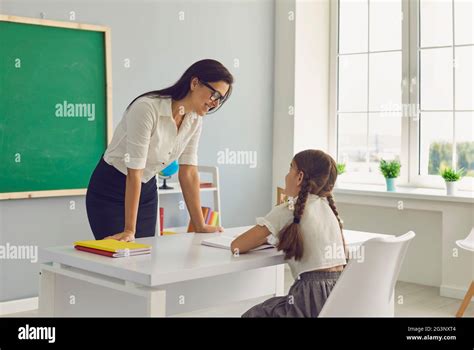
{"x":451,"y":176}
{"x":390,"y":170}
{"x":341,"y":168}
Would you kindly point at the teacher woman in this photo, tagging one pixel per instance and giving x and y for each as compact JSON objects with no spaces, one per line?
{"x":157,"y":128}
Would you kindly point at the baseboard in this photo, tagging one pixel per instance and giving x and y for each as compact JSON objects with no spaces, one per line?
{"x":453,"y":292}
{"x":20,"y":305}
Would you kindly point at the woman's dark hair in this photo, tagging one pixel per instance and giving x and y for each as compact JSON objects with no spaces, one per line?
{"x":320,"y":174}
{"x":207,"y":71}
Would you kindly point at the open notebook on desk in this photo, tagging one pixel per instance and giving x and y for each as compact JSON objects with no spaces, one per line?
{"x":225,"y":241}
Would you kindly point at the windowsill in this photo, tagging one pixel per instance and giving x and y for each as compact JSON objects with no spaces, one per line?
{"x":404,"y":192}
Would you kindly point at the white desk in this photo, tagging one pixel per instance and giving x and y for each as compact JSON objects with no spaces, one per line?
{"x":180,"y":275}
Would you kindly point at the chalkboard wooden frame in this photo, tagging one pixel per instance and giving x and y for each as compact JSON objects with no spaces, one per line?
{"x":108,"y":91}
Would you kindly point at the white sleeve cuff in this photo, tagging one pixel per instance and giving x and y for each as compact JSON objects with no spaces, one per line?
{"x":186,"y":159}
{"x":135,"y":163}
{"x":261,"y":221}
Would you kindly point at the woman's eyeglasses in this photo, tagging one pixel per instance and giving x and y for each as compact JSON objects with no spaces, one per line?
{"x":216,"y":95}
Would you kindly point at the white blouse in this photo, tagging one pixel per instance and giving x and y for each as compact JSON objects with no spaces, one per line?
{"x":322,"y":240}
{"x":147,"y":138}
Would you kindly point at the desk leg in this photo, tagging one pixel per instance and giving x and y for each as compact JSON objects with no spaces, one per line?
{"x":46,"y":293}
{"x":157,"y":303}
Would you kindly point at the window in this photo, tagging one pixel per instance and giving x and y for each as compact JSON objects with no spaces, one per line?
{"x":444,"y":57}
{"x":369,"y":79}
{"x":403,"y":88}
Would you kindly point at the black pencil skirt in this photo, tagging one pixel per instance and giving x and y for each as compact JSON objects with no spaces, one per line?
{"x":105,"y":203}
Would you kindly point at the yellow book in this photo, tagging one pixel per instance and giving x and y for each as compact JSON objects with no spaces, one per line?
{"x":112,"y":245}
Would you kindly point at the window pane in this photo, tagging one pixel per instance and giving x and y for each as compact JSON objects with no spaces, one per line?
{"x":385,"y":135}
{"x":352,"y":140}
{"x":353,"y":26}
{"x":353,"y":83}
{"x":436,"y":141}
{"x":464,"y":124}
{"x":436,"y":23}
{"x":464,"y":77}
{"x":436,"y":84}
{"x":385,"y":25}
{"x":385,"y":71}
{"x":463,"y":17}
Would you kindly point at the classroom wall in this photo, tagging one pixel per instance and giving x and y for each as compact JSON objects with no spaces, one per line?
{"x":312,"y":34}
{"x":302,"y":32}
{"x":284,"y":98}
{"x":160,"y":47}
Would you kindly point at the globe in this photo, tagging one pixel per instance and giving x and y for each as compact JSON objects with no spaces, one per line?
{"x":167,"y":172}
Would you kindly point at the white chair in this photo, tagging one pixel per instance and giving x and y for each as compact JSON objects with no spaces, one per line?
{"x":366,"y":287}
{"x":468,"y":244}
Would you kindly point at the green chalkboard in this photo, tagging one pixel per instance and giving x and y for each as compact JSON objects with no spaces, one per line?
{"x":54,"y":106}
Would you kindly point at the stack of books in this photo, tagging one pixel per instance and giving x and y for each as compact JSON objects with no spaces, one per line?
{"x":113,"y":248}
{"x":210,"y":218}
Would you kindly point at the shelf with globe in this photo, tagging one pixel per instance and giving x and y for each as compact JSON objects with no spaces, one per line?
{"x":174,"y":187}
{"x":166,"y":174}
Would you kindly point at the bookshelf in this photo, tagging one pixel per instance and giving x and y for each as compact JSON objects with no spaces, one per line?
{"x":209,"y":170}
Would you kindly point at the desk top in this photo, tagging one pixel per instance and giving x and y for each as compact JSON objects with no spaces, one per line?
{"x":177,"y":258}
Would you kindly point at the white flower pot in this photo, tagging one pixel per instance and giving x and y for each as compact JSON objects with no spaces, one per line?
{"x":451,"y":188}
{"x":390,"y":184}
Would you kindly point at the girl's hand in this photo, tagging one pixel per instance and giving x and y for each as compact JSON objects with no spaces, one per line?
{"x":210,"y":229}
{"x":125,"y":236}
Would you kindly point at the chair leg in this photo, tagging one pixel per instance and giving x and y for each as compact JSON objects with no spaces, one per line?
{"x":466,"y":301}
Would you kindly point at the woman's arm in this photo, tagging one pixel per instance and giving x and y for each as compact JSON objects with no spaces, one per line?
{"x":253,"y":238}
{"x":133,"y":187}
{"x":189,"y":181}
{"x":132,"y":198}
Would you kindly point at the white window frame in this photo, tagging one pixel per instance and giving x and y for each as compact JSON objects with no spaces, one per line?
{"x":415,"y":179}
{"x":409,"y":159}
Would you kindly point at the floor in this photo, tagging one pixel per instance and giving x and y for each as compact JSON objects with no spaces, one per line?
{"x":411,"y":300}
{"x":417,"y":300}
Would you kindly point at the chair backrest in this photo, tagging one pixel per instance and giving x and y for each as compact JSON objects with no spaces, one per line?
{"x":280,"y":196}
{"x":366,"y":285}
{"x":468,"y":242}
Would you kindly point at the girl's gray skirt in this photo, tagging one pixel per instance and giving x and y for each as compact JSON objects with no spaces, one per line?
{"x":305,"y":298}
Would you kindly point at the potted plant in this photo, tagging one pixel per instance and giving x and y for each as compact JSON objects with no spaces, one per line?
{"x":341,"y":168}
{"x":390,"y":170}
{"x":451,"y":176}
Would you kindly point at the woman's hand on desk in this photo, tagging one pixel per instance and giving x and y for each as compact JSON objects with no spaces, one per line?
{"x":126,"y":236}
{"x":210,"y":229}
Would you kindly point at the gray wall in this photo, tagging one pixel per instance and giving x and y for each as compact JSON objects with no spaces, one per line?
{"x":160,"y":48}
